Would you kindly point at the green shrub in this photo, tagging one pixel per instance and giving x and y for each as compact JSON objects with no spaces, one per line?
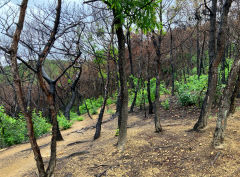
{"x":40,"y":124}
{"x":14,"y":130}
{"x":82,"y":109}
{"x":93,"y":110}
{"x":73,"y":115}
{"x":192,"y":92}
{"x":63,"y":122}
{"x":79,"y":118}
{"x":117,"y":132}
{"x":163,"y":89}
{"x":110,"y":101}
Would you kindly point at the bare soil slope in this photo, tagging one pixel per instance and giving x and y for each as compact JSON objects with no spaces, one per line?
{"x":174,"y":152}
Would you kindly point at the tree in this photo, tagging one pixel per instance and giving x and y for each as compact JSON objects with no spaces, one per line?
{"x":41,"y":75}
{"x":142,"y":14}
{"x":100,"y":117}
{"x":157,"y":42}
{"x":17,"y":83}
{"x":214,"y":59}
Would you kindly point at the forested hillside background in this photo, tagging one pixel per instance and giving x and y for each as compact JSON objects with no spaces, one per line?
{"x":67,"y":61}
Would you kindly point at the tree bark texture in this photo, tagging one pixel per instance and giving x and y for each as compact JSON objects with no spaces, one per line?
{"x":123,"y":108}
{"x":225,"y":104}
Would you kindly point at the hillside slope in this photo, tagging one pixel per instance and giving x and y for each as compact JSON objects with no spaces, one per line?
{"x":175,"y":152}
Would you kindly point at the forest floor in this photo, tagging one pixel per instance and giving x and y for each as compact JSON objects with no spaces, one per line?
{"x":175,"y":152}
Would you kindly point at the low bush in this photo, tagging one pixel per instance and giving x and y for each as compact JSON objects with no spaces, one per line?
{"x":40,"y":124}
{"x":80,"y":118}
{"x":193,"y":91}
{"x":14,"y":130}
{"x":75,"y":117}
{"x":63,"y":122}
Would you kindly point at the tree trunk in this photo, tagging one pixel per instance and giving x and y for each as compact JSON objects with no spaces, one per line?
{"x":225,"y":104}
{"x":79,"y":103}
{"x":158,"y":127}
{"x":100,"y":117}
{"x":234,"y":95}
{"x":157,"y":46}
{"x":138,"y":84}
{"x":123,"y":111}
{"x":198,"y":46}
{"x":55,"y":136}
{"x":150,"y":109}
{"x":74,"y":94}
{"x":19,"y":91}
{"x":223,"y":66}
{"x":214,"y":61}
{"x":89,"y":115}
{"x":172,"y":62}
{"x":135,"y":96}
{"x":202,"y":70}
{"x":130,"y":57}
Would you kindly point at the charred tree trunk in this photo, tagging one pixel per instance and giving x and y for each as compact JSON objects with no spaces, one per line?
{"x":214,"y":61}
{"x":158,"y":127}
{"x":234,"y":96}
{"x":123,"y":111}
{"x":135,"y":96}
{"x":51,"y":98}
{"x":223,"y":66}
{"x":74,"y":94}
{"x":172,"y":62}
{"x":150,"y":109}
{"x":202,"y":71}
{"x":100,"y":117}
{"x":89,"y":115}
{"x":157,"y":46}
{"x":197,"y":16}
{"x":130,"y":56}
{"x":79,"y":103}
{"x":225,"y":104}
{"x":138,"y":83}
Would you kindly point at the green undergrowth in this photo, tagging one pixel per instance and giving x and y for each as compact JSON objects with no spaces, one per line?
{"x":94,"y":104}
{"x":14,"y":131}
{"x":193,"y":91}
{"x":142,"y":95}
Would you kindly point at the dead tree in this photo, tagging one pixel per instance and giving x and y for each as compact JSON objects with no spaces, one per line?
{"x":100,"y":116}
